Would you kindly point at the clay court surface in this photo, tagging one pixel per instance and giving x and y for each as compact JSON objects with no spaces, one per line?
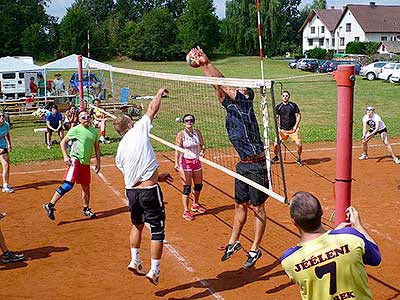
{"x":79,"y":258}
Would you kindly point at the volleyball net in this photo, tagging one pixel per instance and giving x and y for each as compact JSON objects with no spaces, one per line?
{"x":196,"y":95}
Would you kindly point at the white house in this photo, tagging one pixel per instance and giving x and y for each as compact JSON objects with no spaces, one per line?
{"x":318,"y":29}
{"x":389,"y":47}
{"x":363,"y":23}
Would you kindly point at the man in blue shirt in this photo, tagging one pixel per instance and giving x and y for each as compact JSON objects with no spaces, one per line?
{"x":54,"y":124}
{"x":243,"y":132}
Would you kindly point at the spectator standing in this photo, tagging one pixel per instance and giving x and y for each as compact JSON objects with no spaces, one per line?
{"x":58,"y":85}
{"x":5,"y":148}
{"x":54,"y":124}
{"x":32,"y":86}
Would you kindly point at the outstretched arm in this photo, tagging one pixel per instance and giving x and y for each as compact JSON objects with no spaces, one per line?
{"x":155,"y":104}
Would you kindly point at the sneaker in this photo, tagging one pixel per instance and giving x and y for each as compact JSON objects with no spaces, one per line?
{"x":10,"y":256}
{"x":48,"y":147}
{"x":231,"y":249}
{"x":7,"y":189}
{"x":197,"y":207}
{"x":88,"y":213}
{"x":363,"y":157}
{"x":187,"y":215}
{"x":49,"y":208}
{"x":396,"y":160}
{"x":299,"y":162}
{"x":104,"y":140}
{"x":252,"y":258}
{"x":137,"y":268}
{"x":153,"y":276}
{"x":275,"y":159}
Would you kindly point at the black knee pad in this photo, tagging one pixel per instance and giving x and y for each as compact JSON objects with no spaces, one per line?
{"x":186,"y":189}
{"x":198,"y":187}
{"x":158,"y":232}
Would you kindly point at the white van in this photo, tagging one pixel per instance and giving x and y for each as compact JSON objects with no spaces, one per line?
{"x":16,"y":84}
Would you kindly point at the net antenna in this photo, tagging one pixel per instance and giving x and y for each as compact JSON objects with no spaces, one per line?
{"x":88,"y":64}
{"x":264,"y":108}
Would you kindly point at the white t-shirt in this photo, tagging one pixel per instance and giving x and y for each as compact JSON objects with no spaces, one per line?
{"x":191,"y":142}
{"x":135,"y":155}
{"x":373,"y":121}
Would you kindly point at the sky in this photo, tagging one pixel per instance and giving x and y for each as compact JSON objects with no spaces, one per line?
{"x":58,"y":8}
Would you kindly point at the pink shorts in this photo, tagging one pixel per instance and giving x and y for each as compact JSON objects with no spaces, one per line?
{"x":189,"y":164}
{"x":78,"y":173}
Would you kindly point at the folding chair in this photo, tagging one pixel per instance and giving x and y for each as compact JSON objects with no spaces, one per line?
{"x":124,"y":96}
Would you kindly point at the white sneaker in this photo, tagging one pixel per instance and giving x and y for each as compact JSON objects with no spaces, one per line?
{"x":136,"y":268}
{"x":363,"y":157}
{"x":396,"y":160}
{"x":48,"y":147}
{"x":104,"y":140}
{"x":154,"y":277}
{"x":7,"y":189}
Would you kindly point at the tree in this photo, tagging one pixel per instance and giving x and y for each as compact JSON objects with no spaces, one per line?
{"x":154,"y":37}
{"x":97,"y":10}
{"x":199,"y":26}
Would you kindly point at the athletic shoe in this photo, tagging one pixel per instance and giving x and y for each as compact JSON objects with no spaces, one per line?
{"x":153,"y":276}
{"x":396,"y":160}
{"x":231,"y":249}
{"x":48,"y":147}
{"x":104,"y":140}
{"x":49,"y":210}
{"x":197,"y":207}
{"x":88,"y":213}
{"x":299,"y":162}
{"x":363,"y":157}
{"x":252,"y":258}
{"x":7,"y":189}
{"x":137,"y":268}
{"x":10,"y":256}
{"x":275,"y":159}
{"x":187,"y":215}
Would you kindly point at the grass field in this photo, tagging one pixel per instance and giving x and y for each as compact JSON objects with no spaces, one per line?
{"x":315,"y":95}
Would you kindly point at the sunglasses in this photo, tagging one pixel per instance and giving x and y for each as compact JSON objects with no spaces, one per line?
{"x":285,"y":96}
{"x":85,"y":117}
{"x":188,"y":120}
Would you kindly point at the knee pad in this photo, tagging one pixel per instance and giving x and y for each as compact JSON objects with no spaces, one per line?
{"x":65,"y":188}
{"x":186,"y":189}
{"x":198,"y":187}
{"x":158,"y":232}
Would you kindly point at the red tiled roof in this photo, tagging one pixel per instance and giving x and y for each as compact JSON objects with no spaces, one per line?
{"x":376,"y":18}
{"x":329,"y":17}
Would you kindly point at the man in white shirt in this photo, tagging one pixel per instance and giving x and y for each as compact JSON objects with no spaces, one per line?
{"x":376,"y":126}
{"x":137,"y":161}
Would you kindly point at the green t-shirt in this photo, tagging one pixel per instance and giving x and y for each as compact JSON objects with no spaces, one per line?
{"x":83,"y":142}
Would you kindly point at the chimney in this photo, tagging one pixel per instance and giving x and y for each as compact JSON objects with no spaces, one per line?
{"x":372,"y":4}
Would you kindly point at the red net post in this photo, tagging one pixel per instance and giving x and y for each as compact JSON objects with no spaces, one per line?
{"x":345,"y":80}
{"x":80,"y":78}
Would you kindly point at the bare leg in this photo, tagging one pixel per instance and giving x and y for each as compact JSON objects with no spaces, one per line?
{"x":156,"y":249}
{"x":385,"y":140}
{"x":186,"y":178}
{"x":3,"y":245}
{"x":238,"y":222}
{"x":365,"y":147}
{"x":6,"y":168}
{"x":49,"y":134}
{"x":259,"y":226}
{"x":299,"y":149}
{"x":197,"y":179}
{"x":135,"y":237}
{"x":85,"y":194}
{"x":55,"y":198}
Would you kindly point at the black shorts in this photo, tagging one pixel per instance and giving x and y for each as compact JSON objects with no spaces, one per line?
{"x":380,"y":131}
{"x":146,"y":205}
{"x":3,"y":151}
{"x":256,"y":171}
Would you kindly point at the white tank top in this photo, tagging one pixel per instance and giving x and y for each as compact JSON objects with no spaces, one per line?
{"x":191,"y":142}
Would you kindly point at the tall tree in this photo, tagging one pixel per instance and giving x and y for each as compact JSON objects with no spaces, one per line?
{"x":199,"y":26}
{"x":98,"y":10}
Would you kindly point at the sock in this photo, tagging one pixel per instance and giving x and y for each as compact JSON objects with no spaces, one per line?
{"x":252,"y":253}
{"x":155,"y":265}
{"x":135,"y":254}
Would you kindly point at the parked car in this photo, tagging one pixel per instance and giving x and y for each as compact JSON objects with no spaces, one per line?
{"x":325,"y":66}
{"x":387,"y":70}
{"x":336,"y":63}
{"x":395,"y":78}
{"x":299,"y":61}
{"x":371,"y":71}
{"x":74,"y":81}
{"x":292,"y":64}
{"x":309,"y":64}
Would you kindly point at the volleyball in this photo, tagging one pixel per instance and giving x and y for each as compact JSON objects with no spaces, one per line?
{"x":190,"y":59}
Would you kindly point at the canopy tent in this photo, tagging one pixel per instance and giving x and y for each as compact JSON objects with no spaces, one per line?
{"x":11,"y":64}
{"x":71,"y":63}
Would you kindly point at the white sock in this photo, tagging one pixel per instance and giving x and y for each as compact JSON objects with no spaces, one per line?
{"x":252,"y":253}
{"x":155,"y":265}
{"x":135,"y":254}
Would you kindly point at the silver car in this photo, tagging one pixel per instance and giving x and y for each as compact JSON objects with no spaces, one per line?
{"x":372,"y":71}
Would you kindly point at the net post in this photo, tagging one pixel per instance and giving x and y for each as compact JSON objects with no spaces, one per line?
{"x":345,"y":80}
{"x":278,"y":141}
{"x":264,"y":110}
{"x":80,"y":78}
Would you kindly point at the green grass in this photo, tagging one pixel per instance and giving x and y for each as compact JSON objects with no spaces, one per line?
{"x":315,"y":95}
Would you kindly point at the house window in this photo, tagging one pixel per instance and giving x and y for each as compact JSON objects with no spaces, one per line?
{"x":383,"y":38}
{"x":321,"y":42}
{"x":356,"y":38}
{"x":383,"y":48}
{"x":310,"y":42}
{"x":313,"y":29}
{"x":348,"y":27}
{"x":327,"y":42}
{"x":322,"y":29}
{"x":341,"y":43}
{"x":333,"y":42}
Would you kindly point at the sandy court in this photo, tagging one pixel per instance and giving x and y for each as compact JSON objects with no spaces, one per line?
{"x":79,"y":258}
